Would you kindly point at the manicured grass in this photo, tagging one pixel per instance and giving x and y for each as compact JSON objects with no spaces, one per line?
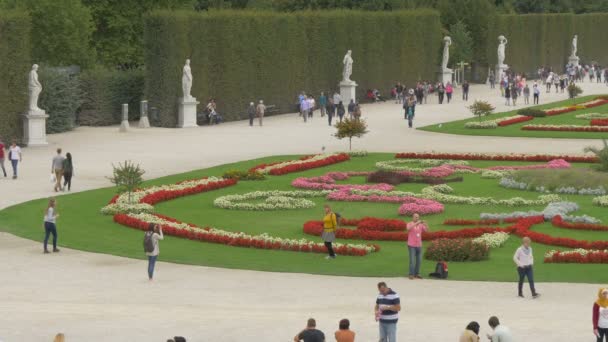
{"x":457,"y":127}
{"x":82,"y":227}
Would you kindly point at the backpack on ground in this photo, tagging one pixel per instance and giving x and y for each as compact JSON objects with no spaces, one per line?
{"x":441,"y":271}
{"x":148,"y":242}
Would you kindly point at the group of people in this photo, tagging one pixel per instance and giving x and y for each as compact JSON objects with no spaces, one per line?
{"x":421,"y":91}
{"x":14,"y":156}
{"x":62,"y":168}
{"x":500,"y":333}
{"x":256,"y":111}
{"x":577,"y":73}
{"x":330,"y":106}
{"x":514,"y":86}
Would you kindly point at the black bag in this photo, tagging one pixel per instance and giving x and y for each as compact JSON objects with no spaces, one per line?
{"x":441,"y":271}
{"x":338,"y":218}
{"x":148,"y":242}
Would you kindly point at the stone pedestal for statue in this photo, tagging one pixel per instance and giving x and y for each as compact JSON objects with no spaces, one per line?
{"x":348,"y":91}
{"x":187,"y":112}
{"x":34,"y":128}
{"x":143,"y":115}
{"x":573,"y":60}
{"x":445,"y":75}
{"x":500,"y":72}
{"x":124,"y":124}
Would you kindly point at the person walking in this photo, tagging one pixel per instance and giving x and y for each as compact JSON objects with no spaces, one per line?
{"x":492,"y":80}
{"x":310,"y":333}
{"x":524,"y":259}
{"x":387,"y":310}
{"x":151,"y":238}
{"x":536,"y":93}
{"x":68,"y":171}
{"x":508,"y":95}
{"x":600,"y":316}
{"x":251,"y":112}
{"x":351,"y":109}
{"x":409,"y":111}
{"x":344,"y":334}
{"x":471,"y":333}
{"x":415,"y":228}
{"x":465,"y":91}
{"x":501,"y":333}
{"x":260,"y":110}
{"x":448,"y":91}
{"x":14,"y":154}
{"x":440,"y":92}
{"x":323,"y":104}
{"x":50,"y":220}
{"x":330,"y":224}
{"x":2,"y":157}
{"x":331,"y":110}
{"x":304,"y":109}
{"x":357,"y":112}
{"x":514,"y":94}
{"x":426,"y":87}
{"x":340,"y":110}
{"x":57,"y":169}
{"x":311,"y":106}
{"x":526,"y":94}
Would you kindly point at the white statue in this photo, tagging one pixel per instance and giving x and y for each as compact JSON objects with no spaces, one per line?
{"x":348,"y":67}
{"x":187,"y":80}
{"x":501,"y":50}
{"x":574,"y":45}
{"x":34,"y":88}
{"x":446,"y":53}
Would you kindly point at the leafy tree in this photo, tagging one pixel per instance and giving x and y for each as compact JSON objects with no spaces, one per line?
{"x":462,"y":43}
{"x":350,"y":129}
{"x":481,"y":108}
{"x":127,"y":176}
{"x":62,"y":96}
{"x":574,"y":90}
{"x":602,"y":155}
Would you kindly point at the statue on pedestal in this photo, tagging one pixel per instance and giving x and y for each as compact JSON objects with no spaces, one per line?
{"x":34,"y":88}
{"x":574,"y":45}
{"x":501,"y":50}
{"x":447,"y":41}
{"x":348,"y":67}
{"x":187,"y":80}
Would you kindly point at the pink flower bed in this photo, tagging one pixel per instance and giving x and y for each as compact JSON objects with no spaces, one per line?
{"x":553,"y":164}
{"x":328,"y":182}
{"x":420,"y":206}
{"x":409,"y":205}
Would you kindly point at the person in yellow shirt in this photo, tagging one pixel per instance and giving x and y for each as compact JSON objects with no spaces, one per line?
{"x":330,"y":224}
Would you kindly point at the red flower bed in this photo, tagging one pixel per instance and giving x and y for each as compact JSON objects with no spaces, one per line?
{"x":557,"y":221}
{"x":599,"y":122}
{"x":522,"y":228}
{"x":460,"y":222}
{"x":560,"y":111}
{"x":165,"y":195}
{"x":515,"y":120}
{"x":566,"y":129}
{"x":247,"y":242}
{"x":591,"y":257}
{"x":333,"y":159}
{"x":496,"y":157}
{"x":599,"y":103}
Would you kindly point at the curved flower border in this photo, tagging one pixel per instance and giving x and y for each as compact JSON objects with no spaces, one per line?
{"x":304,"y":163}
{"x":498,"y":157}
{"x":275,"y":200}
{"x":577,"y":256}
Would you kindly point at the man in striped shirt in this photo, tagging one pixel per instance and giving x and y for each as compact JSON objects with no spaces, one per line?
{"x":387,"y":310}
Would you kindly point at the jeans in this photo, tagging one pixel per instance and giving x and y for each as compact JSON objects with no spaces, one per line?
{"x":151,"y":264}
{"x":330,"y":116}
{"x":14,"y":163}
{"x":410,"y":121}
{"x":465,"y":95}
{"x":67,"y":177}
{"x":388,"y":332}
{"x":322,"y":108}
{"x":523,"y":273}
{"x":415,"y":260}
{"x":449,"y":97}
{"x":250,"y":120}
{"x":527,"y":99}
{"x":2,"y":166}
{"x":535,"y":98}
{"x":603,"y":333}
{"x":50,"y":228}
{"x":440,"y":98}
{"x":330,"y":249}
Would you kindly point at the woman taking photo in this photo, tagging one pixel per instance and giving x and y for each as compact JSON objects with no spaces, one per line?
{"x":330,"y":224}
{"x":153,"y":235}
{"x":415,"y":228}
{"x":50,"y":218}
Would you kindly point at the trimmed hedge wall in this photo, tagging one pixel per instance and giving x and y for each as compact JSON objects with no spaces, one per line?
{"x":546,"y":39}
{"x":15,"y":63}
{"x":239,"y":57}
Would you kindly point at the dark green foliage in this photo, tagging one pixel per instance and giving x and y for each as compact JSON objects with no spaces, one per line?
{"x":481,"y":108}
{"x":15,"y":63}
{"x":238,"y":57}
{"x":104,"y":93}
{"x":462,"y":44}
{"x":574,"y":90}
{"x":350,"y":129}
{"x":127,"y":176}
{"x":61,"y":97}
{"x":243,"y":175}
{"x":537,"y":113}
{"x":602,"y":155}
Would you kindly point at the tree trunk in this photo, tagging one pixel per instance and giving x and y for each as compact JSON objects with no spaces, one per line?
{"x":350,"y":144}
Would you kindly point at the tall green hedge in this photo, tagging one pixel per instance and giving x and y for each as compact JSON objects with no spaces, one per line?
{"x":239,"y":56}
{"x":15,"y":64}
{"x":545,"y":39}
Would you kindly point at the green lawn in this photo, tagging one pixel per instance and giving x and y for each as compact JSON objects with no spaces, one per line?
{"x":82,"y":227}
{"x":457,"y":127}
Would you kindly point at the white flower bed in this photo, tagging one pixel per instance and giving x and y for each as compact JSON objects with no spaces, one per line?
{"x":120,"y":208}
{"x":551,"y":210}
{"x":510,"y":183}
{"x":579,"y":251}
{"x":318,"y":157}
{"x":493,"y":240}
{"x":481,"y":124}
{"x":496,"y":174}
{"x":273,"y":200}
{"x":591,"y":116}
{"x":403,"y":164}
{"x":601,"y":201}
{"x":357,"y":153}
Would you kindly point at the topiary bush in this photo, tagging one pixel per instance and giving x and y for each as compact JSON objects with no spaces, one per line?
{"x":456,"y":250}
{"x":537,"y":113}
{"x":243,"y":175}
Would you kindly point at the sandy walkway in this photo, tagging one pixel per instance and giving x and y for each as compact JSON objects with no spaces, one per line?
{"x":95,"y":297}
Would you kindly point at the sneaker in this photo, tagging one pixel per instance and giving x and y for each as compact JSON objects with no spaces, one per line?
{"x":411,"y":277}
{"x":327,"y":257}
{"x":56,"y":250}
{"x":536,"y":295}
{"x":46,"y":251}
{"x":520,"y":295}
{"x":418,"y":277}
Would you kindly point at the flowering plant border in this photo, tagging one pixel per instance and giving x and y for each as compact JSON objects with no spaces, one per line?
{"x":302,"y":164}
{"x":577,"y":256}
{"x":565,"y":128}
{"x":497,"y":157}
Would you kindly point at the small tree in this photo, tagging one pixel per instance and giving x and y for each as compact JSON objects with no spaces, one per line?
{"x":127,"y":177}
{"x":574,"y":90}
{"x":350,"y":128}
{"x":481,"y":108}
{"x":601,"y":154}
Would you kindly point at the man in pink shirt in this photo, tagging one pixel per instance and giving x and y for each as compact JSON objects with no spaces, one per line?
{"x":415,"y":228}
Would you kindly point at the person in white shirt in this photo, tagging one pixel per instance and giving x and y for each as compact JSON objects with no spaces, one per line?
{"x":524,"y":260}
{"x":14,"y":154}
{"x":50,"y":219}
{"x":501,"y":333}
{"x":155,"y":233}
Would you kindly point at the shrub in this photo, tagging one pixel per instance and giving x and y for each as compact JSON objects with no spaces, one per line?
{"x":61,"y":97}
{"x":456,"y":250}
{"x":574,"y":91}
{"x":243,"y":175}
{"x":481,"y":108}
{"x":395,"y":178}
{"x":537,"y":113}
{"x":349,"y":129}
{"x":127,"y":177}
